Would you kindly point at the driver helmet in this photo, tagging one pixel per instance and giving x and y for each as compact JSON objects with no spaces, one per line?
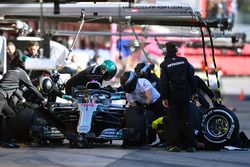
{"x":128,"y":81}
{"x":143,"y":70}
{"x":110,"y":68}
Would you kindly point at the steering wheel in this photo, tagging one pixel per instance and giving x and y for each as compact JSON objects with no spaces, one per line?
{"x":100,"y":92}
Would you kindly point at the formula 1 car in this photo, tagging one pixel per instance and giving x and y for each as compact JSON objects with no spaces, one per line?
{"x":90,"y":118}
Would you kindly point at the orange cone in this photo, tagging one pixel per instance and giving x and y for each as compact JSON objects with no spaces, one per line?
{"x":242,"y":95}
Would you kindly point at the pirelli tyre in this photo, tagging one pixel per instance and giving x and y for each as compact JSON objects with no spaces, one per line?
{"x":135,"y":127}
{"x":23,"y":123}
{"x":220,"y":127}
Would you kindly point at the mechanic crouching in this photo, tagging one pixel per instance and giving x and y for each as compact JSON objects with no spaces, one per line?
{"x":140,"y":92}
{"x":10,"y":86}
{"x":144,"y":70}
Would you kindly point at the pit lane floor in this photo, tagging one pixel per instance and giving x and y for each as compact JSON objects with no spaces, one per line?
{"x":114,"y":156}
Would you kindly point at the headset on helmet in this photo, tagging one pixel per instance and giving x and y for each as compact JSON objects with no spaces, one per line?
{"x":111,"y":68}
{"x":128,"y":81}
{"x":170,"y":48}
{"x":143,"y":70}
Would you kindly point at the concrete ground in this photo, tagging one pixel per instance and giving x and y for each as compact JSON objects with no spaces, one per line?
{"x":236,"y":93}
{"x":235,"y":85}
{"x":114,"y":156}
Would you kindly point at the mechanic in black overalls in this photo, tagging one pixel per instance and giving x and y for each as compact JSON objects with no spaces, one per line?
{"x":9,"y":86}
{"x":177,"y":85}
{"x":106,"y":71}
{"x":202,"y":90}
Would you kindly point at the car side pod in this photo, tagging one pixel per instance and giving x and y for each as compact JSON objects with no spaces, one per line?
{"x":78,"y":142}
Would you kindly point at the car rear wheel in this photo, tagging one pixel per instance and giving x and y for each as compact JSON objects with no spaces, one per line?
{"x":220,"y":127}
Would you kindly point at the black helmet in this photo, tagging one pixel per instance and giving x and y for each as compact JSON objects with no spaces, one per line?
{"x":111,"y":68}
{"x":143,"y":70}
{"x":46,"y":84}
{"x":170,"y":48}
{"x":128,"y":81}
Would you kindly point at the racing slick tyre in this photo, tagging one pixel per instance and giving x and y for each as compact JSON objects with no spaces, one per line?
{"x":220,"y":127}
{"x":135,"y":127}
{"x":23,"y":123}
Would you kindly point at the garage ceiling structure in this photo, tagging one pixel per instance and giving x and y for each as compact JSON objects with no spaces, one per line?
{"x":173,"y":14}
{"x":64,"y":1}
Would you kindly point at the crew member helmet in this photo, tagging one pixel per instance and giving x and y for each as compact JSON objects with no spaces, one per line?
{"x":46,"y":84}
{"x":111,"y":69}
{"x":143,"y":70}
{"x":128,"y":81}
{"x":170,"y":48}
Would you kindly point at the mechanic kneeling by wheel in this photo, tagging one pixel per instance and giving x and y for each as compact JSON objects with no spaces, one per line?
{"x":140,"y":92}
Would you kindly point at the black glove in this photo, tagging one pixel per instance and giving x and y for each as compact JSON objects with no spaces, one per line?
{"x":22,"y":102}
{"x":120,"y":89}
{"x":215,"y":103}
{"x":110,"y":89}
{"x":44,"y":102}
{"x":195,"y":97}
{"x":140,"y":104}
